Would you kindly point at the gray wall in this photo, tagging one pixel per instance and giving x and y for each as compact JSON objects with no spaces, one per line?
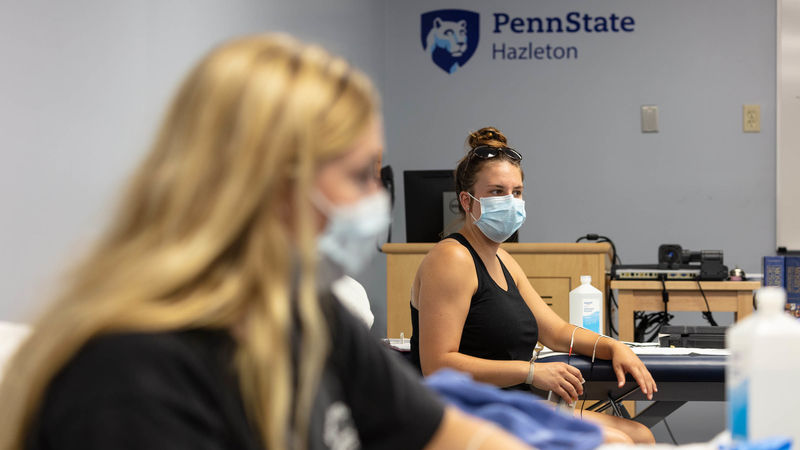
{"x":700,"y":181}
{"x":84,"y":84}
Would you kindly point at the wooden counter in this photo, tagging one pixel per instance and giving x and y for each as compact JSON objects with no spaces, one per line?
{"x":553,"y":269}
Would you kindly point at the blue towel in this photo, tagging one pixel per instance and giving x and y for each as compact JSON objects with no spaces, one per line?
{"x":522,"y":414}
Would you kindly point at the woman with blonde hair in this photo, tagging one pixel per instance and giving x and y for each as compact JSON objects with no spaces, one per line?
{"x":201,"y":318}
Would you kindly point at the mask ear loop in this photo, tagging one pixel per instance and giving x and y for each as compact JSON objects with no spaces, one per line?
{"x":470,"y":209}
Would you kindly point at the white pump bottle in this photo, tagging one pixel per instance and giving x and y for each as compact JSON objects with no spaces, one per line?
{"x":586,"y":306}
{"x":762,"y":372}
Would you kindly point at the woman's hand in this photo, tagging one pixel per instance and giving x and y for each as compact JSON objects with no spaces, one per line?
{"x":623,"y":360}
{"x":564,"y":380}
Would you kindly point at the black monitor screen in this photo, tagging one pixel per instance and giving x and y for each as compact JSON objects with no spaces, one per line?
{"x":431,"y":204}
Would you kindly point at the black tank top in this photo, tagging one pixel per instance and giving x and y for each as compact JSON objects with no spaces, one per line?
{"x":499,"y":324}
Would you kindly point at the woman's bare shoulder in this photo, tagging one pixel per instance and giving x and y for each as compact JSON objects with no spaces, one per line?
{"x":448,"y":265}
{"x":447,"y":274}
{"x":449,"y":251}
{"x":447,"y":257}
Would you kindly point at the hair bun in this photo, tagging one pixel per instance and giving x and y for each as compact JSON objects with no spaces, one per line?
{"x":487,"y":136}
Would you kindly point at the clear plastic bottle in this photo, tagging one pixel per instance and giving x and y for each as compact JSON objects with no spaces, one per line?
{"x":763,"y":371}
{"x":586,"y":306}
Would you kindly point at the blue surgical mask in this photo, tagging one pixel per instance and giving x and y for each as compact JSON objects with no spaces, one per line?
{"x":350,"y":239}
{"x":500,"y":216}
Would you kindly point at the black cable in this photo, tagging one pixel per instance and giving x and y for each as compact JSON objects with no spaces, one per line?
{"x":584,"y":402}
{"x":615,"y":259}
{"x":649,"y":325}
{"x":664,"y":295}
{"x":591,"y":369}
{"x":661,"y":323}
{"x":610,"y":322}
{"x":652,"y":323}
{"x":707,"y":314}
{"x":386,"y":177}
{"x":674,"y":441}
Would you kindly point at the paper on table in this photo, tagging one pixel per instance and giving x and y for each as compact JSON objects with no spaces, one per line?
{"x":680,"y":351}
{"x":402,"y":344}
{"x":640,"y":349}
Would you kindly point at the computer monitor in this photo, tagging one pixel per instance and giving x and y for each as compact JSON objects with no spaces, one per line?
{"x":432,"y":205}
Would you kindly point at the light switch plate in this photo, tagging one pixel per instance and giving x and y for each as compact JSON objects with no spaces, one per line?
{"x":649,"y":119}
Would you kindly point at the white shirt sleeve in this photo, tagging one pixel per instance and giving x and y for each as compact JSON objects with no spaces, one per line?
{"x":11,"y":336}
{"x":354,"y":297}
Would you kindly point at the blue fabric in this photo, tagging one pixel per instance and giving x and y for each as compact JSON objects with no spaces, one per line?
{"x":775,"y":443}
{"x":522,"y":414}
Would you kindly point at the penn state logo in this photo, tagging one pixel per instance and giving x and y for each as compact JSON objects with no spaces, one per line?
{"x":450,"y":37}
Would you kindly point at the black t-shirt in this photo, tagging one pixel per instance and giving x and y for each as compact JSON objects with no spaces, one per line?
{"x":178,"y":390}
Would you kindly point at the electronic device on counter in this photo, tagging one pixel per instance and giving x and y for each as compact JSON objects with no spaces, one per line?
{"x":653,"y":272}
{"x":676,"y":263}
{"x":692,"y":336}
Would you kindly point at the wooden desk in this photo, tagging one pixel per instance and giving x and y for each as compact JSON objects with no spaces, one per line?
{"x":553,"y":269}
{"x":736,"y":296}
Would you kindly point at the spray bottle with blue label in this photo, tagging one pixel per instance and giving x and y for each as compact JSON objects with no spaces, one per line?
{"x":586,"y":306}
{"x":763,"y":372}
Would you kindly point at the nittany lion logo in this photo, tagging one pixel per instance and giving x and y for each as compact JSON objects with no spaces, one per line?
{"x":450,"y":36}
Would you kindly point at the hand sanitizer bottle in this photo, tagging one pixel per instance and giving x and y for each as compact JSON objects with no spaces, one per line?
{"x":586,"y":306}
{"x":763,"y":370}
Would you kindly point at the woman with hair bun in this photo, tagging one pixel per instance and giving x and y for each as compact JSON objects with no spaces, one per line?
{"x":474,"y":310}
{"x":202,"y":319}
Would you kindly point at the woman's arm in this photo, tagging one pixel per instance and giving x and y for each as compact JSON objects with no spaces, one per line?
{"x":557,"y":334}
{"x":623,"y":360}
{"x":461,"y":431}
{"x":447,"y":283}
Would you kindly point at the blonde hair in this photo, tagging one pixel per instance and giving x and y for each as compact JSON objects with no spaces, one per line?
{"x":202,"y":238}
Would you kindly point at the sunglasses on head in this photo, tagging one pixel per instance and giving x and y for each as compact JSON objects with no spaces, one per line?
{"x":489,"y":152}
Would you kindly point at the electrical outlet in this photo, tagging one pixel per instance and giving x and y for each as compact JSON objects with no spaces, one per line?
{"x":751,"y":118}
